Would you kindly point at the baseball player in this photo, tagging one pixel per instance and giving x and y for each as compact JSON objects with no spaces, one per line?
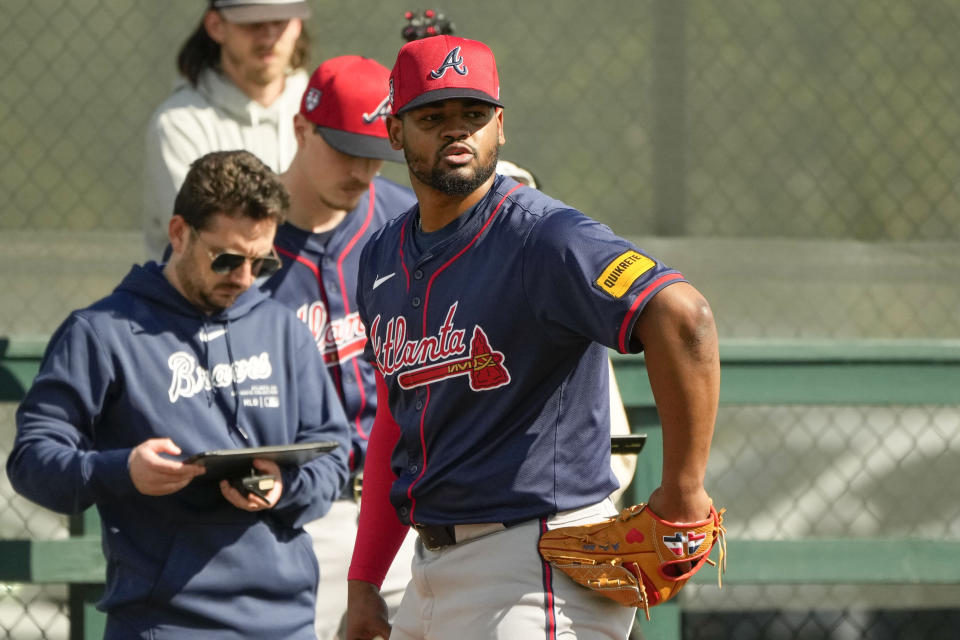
{"x":337,"y":200}
{"x":489,"y":308}
{"x":430,"y":22}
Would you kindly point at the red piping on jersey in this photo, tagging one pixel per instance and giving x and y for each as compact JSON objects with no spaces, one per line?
{"x":426,"y":296}
{"x":335,"y":372}
{"x":423,"y":447}
{"x":426,"y":300}
{"x":406,"y":274}
{"x":301,"y":260}
{"x":353,"y":241}
{"x":624,"y":339}
{"x":346,"y":306}
{"x":550,"y":612}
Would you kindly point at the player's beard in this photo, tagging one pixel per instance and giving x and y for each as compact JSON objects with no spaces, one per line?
{"x":254,"y":71}
{"x":200,"y":293}
{"x":449,"y":181}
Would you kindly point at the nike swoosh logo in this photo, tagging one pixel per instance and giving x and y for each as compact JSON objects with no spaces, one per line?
{"x":213,"y":335}
{"x":380,"y":281}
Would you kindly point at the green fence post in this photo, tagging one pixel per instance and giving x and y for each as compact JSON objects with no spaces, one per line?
{"x":664,"y":622}
{"x":86,"y":621}
{"x":649,"y":461}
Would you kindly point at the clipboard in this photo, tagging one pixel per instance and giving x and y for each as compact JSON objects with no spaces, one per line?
{"x":230,"y":463}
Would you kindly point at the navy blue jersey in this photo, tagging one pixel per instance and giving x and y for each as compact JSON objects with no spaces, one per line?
{"x":493,"y":345}
{"x":318,"y":281}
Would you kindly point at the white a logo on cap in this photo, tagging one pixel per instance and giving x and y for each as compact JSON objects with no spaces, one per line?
{"x":312,"y":99}
{"x":382,"y":111}
{"x":453,"y":61}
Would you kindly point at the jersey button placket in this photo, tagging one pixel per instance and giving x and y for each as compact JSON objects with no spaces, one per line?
{"x":415,"y":291}
{"x":329,"y":274}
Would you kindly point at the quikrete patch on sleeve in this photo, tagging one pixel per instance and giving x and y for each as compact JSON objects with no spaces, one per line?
{"x":623,"y":272}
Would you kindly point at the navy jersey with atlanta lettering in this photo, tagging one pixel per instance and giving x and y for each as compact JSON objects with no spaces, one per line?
{"x":318,"y":281}
{"x":493,"y":345}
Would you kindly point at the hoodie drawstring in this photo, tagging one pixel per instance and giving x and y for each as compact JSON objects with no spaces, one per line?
{"x":233,"y":382}
{"x":206,"y":362}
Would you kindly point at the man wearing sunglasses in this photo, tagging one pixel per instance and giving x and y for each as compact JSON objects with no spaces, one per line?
{"x":180,"y":359}
{"x":337,"y":201}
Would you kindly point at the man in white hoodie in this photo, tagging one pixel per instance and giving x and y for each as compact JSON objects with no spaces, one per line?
{"x":242,"y":75}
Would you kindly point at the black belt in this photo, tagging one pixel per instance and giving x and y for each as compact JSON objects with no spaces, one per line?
{"x":436,"y":536}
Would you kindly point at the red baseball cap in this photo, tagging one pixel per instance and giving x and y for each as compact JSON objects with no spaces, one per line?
{"x":347,"y":100}
{"x":440,"y":68}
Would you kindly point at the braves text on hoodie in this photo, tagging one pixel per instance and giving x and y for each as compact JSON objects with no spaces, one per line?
{"x":144,"y":363}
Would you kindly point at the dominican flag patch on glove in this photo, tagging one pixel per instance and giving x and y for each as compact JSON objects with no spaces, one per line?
{"x":681,"y":541}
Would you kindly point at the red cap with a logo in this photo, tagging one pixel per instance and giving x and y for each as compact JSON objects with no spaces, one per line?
{"x":347,"y":100}
{"x":440,"y":68}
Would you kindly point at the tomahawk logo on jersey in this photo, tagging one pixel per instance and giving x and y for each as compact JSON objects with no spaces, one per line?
{"x":434,"y":358}
{"x":491,"y":345}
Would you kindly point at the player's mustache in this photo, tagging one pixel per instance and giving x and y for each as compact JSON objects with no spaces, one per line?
{"x":230,"y":288}
{"x":460,"y":143}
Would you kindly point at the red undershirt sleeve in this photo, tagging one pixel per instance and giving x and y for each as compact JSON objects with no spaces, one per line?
{"x":379,"y":532}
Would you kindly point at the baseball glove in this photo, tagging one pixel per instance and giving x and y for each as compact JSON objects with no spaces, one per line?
{"x":632,"y":558}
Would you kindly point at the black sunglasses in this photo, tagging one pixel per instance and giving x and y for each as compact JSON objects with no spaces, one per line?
{"x":225,"y":262}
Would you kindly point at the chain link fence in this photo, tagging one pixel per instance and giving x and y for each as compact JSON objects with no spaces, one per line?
{"x":832,"y":472}
{"x":797,"y":160}
{"x":742,"y":119}
{"x":28,"y":611}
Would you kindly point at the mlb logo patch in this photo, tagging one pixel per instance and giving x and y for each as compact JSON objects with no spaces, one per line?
{"x":312,"y":99}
